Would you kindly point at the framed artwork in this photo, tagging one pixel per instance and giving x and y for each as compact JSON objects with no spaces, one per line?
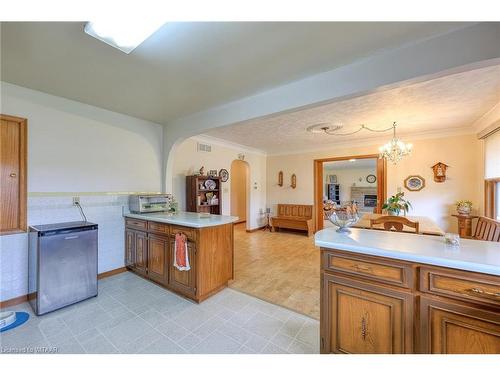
{"x":213,"y":173}
{"x":371,"y":178}
{"x":224,"y":175}
{"x":414,"y":183}
{"x":332,"y":178}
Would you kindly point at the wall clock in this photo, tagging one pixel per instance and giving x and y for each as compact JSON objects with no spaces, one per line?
{"x":224,"y":175}
{"x":371,"y":178}
{"x":414,"y":183}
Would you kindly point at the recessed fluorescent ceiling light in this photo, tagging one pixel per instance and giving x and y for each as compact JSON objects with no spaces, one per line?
{"x":122,"y":34}
{"x":352,"y":160}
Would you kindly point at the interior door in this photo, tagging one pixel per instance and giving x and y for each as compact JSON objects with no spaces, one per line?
{"x":12,"y":174}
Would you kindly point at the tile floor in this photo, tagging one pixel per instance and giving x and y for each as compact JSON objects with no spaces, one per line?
{"x":132,"y":315}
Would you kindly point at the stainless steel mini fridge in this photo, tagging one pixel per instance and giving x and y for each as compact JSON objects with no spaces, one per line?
{"x":62,"y":264}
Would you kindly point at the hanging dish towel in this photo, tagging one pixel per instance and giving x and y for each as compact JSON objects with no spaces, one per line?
{"x":181,"y":256}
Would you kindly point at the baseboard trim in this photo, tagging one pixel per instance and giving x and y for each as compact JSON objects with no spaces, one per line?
{"x":116,"y":271}
{"x":17,"y":300}
{"x":255,"y":229}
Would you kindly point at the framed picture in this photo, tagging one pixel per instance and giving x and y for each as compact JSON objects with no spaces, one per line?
{"x":224,"y":175}
{"x":213,"y":173}
{"x":371,"y":178}
{"x":333,"y":178}
{"x":414,"y":183}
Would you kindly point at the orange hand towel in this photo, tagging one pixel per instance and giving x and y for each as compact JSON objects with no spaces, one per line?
{"x":181,"y":256}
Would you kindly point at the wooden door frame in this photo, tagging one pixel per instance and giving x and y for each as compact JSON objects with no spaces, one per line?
{"x":23,"y":170}
{"x":318,"y":183}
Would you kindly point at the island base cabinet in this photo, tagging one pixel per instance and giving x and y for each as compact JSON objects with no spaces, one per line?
{"x":183,"y":281}
{"x":453,"y":328}
{"x":360,"y":318}
{"x":150,"y":252}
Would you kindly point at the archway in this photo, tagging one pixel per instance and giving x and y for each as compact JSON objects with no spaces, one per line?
{"x":239,"y":175}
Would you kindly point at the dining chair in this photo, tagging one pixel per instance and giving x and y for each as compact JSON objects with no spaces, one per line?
{"x":396,"y":223}
{"x":487,"y":230}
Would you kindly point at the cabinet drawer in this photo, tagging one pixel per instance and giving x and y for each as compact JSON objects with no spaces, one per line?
{"x":466,"y":286}
{"x":159,"y":228}
{"x":136,"y":224}
{"x":189,"y":232}
{"x":390,"y":272}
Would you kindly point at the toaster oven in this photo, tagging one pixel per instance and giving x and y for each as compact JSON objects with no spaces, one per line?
{"x":144,"y":203}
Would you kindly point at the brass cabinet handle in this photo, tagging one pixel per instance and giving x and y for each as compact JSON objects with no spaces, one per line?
{"x":362,"y":268}
{"x":13,"y":175}
{"x":363,"y":328}
{"x":484,"y":293}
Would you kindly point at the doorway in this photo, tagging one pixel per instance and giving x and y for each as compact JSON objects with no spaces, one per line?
{"x":360,"y":178}
{"x":240,"y":171}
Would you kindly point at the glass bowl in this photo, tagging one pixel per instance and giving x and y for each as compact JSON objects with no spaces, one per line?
{"x":344,"y":217}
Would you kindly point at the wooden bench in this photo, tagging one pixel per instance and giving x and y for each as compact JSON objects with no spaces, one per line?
{"x":487,"y":230}
{"x":294,"y":216}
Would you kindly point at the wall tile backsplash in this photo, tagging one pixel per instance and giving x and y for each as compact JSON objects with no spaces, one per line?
{"x":105,"y":210}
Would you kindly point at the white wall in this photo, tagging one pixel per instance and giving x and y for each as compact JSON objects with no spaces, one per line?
{"x":465,"y":175}
{"x":187,"y":160}
{"x":76,"y":149}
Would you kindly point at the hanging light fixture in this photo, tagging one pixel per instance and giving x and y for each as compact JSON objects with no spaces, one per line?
{"x":394,"y":150}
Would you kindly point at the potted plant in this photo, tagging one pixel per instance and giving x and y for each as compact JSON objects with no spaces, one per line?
{"x":396,"y":204}
{"x":464,"y":207}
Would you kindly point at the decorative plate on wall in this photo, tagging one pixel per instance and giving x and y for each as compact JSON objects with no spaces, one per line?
{"x":371,"y":178}
{"x":224,"y":175}
{"x":414,"y":183}
{"x":210,"y":184}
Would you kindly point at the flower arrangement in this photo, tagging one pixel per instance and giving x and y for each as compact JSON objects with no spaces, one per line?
{"x":464,"y":207}
{"x":396,"y":204}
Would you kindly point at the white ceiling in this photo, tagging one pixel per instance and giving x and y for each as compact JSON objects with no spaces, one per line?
{"x":444,"y":104}
{"x":187,"y":67}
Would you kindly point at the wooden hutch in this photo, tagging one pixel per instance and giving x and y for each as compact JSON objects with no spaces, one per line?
{"x":196,"y":195}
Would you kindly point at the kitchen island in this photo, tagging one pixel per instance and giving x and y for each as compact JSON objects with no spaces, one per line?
{"x":150,"y":246}
{"x":388,"y":292}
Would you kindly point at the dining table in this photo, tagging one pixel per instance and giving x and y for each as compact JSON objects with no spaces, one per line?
{"x":426,"y":224}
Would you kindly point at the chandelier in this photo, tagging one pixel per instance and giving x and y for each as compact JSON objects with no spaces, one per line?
{"x":394,"y":150}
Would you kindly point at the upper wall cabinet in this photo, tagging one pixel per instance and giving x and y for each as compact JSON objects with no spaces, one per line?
{"x":13,"y":138}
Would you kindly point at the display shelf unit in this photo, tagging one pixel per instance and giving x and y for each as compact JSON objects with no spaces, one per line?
{"x":196,"y":195}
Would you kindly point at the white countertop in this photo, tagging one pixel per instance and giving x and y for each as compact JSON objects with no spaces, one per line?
{"x":471,"y":255}
{"x":187,"y":219}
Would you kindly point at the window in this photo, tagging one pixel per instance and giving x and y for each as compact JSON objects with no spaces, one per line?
{"x":492,"y":175}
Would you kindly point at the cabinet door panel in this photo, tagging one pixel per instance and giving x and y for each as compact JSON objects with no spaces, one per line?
{"x":183,"y":281}
{"x":453,"y":328}
{"x":158,"y":258}
{"x":362,"y":318}
{"x":141,"y":248}
{"x":129,"y":248}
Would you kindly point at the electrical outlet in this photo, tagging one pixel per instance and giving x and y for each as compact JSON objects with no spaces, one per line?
{"x":76,"y":200}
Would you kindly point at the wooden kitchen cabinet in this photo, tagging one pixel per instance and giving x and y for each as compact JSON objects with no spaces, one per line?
{"x":13,"y":174}
{"x":149,"y":252}
{"x":455,"y":328}
{"x":372,"y":304}
{"x":365,"y":319}
{"x":183,"y":281}
{"x":158,"y":258}
{"x":129,"y":247}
